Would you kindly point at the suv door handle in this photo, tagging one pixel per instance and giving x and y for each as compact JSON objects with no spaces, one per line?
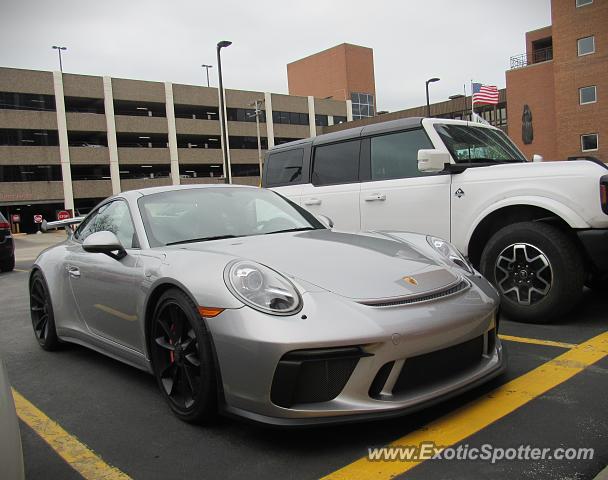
{"x":375,"y":197}
{"x":312,"y":201}
{"x":74,"y":272}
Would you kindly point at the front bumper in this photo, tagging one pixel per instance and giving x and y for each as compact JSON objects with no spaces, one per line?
{"x":595,"y":243}
{"x":251,"y":348}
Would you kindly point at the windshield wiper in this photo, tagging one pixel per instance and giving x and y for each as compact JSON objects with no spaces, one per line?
{"x":203,"y":239}
{"x":301,"y":229}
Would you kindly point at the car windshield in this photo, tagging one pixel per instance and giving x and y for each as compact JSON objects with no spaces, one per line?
{"x":469,"y":144}
{"x":203,"y":214}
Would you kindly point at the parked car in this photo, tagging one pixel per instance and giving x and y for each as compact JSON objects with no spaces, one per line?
{"x":239,"y":300}
{"x":7,"y":246}
{"x":11,"y":454}
{"x":537,"y":230}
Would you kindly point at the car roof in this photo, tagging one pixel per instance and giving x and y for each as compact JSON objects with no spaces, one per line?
{"x":356,"y":132}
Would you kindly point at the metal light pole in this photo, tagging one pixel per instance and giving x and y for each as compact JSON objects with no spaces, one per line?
{"x":59,"y":49}
{"x":428,"y":105}
{"x":207,"y":67}
{"x":223,"y":123}
{"x":258,"y":111}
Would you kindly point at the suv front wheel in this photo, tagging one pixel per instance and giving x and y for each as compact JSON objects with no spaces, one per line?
{"x":536,"y":268}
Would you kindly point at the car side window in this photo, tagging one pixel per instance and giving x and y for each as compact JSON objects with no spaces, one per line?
{"x":396,"y":155}
{"x":113,"y":217}
{"x":285,"y":168}
{"x":336,"y":163}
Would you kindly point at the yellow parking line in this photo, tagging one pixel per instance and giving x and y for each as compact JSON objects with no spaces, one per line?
{"x":75,"y":453}
{"x":19,"y":270}
{"x":480,"y":413}
{"x":536,"y":341}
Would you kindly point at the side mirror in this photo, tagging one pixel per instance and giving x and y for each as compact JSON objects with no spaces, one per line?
{"x":432,"y":160}
{"x":537,"y":158}
{"x":104,"y":242}
{"x":325,"y":220}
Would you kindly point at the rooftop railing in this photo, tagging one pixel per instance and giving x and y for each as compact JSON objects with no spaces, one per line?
{"x":537,"y":56}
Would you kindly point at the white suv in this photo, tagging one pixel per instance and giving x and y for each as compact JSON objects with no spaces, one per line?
{"x":537,"y":230}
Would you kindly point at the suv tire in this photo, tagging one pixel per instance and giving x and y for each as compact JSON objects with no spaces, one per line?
{"x":536,"y":268}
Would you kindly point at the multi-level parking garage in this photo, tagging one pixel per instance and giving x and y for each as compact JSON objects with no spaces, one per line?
{"x":67,"y":141}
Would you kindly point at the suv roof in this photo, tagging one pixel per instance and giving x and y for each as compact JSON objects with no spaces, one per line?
{"x":355,"y":132}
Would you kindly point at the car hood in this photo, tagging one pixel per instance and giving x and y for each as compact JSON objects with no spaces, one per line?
{"x":357,"y":266}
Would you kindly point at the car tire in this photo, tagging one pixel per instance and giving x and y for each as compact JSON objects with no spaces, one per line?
{"x":8,"y":265}
{"x":182,"y":359}
{"x":536,"y":268}
{"x":41,"y":312}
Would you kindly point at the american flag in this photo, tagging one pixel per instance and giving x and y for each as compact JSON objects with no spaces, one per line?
{"x":485,"y":94}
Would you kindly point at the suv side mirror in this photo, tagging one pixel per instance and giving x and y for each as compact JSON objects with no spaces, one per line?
{"x":432,"y":160}
{"x":104,"y":242}
{"x":537,"y":158}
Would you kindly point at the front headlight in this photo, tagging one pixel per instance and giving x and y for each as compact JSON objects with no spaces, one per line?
{"x":262,"y":288}
{"x":450,"y":252}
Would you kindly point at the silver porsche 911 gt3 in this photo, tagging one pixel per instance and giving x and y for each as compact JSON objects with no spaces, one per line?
{"x":241,"y":302}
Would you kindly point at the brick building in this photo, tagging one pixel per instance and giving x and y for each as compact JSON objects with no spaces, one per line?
{"x":563,"y":80}
{"x":343,"y":72}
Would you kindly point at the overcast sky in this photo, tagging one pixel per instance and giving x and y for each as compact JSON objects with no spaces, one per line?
{"x":169,"y":40}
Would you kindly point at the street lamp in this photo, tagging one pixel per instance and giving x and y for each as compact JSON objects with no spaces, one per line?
{"x":59,"y":49}
{"x":428,"y":105}
{"x":207,"y":67}
{"x":223,"y":124}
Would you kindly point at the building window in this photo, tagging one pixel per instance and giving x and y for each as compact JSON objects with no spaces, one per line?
{"x":589,"y":142}
{"x":582,"y":3}
{"x":244,"y":115}
{"x":28,"y":138}
{"x":587,"y":95}
{"x":321,"y":120}
{"x":26,"y":101}
{"x":289,"y":118}
{"x":586,"y":45}
{"x":90,"y":172}
{"x":363,"y":105}
{"x":339,"y":119}
{"x":30,"y":173}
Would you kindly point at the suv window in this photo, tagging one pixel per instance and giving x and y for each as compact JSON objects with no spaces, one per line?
{"x":396,"y":155}
{"x":336,"y":163}
{"x":113,"y":217}
{"x":285,"y":168}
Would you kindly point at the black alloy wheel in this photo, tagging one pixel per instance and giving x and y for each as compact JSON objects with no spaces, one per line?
{"x":181,"y":358}
{"x":41,"y":311}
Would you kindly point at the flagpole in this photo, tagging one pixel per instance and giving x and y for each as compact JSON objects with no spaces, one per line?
{"x":472,"y":103}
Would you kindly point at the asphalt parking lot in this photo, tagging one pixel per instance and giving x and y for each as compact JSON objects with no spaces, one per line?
{"x":111,"y":422}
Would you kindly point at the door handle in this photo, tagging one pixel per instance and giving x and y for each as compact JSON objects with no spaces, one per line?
{"x":312,"y":201}
{"x":74,"y":272}
{"x":376,"y":197}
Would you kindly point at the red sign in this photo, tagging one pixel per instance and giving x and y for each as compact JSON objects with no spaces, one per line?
{"x":37,"y":218}
{"x":63,"y":215}
{"x":16,"y":218}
